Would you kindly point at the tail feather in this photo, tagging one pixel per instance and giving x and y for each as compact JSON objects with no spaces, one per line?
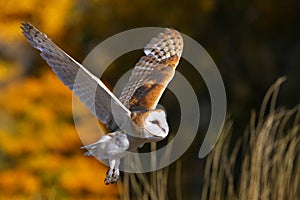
{"x":108,"y":146}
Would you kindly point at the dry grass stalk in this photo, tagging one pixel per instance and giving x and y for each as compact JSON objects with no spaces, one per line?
{"x":270,"y":156}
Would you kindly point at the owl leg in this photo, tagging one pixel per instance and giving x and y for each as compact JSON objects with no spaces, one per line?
{"x":110,"y":172}
{"x":113,"y":173}
{"x":116,"y":172}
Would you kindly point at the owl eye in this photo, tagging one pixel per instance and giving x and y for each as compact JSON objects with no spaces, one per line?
{"x":158,"y":124}
{"x":155,"y":122}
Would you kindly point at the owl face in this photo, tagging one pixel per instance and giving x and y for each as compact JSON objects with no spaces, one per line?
{"x":150,"y":124}
{"x":156,"y":123}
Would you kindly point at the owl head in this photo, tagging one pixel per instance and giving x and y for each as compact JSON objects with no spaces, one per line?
{"x":151,"y":123}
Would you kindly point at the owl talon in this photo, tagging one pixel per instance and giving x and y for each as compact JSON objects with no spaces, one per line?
{"x":112,"y":176}
{"x":108,"y":178}
{"x":107,"y":172}
{"x":115,"y":176}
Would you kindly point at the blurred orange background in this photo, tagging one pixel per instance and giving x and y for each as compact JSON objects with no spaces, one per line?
{"x":40,"y":155}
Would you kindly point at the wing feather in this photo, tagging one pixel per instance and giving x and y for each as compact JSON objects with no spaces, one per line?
{"x":153,"y":72}
{"x":91,"y":90}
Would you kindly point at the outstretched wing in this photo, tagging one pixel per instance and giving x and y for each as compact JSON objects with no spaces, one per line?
{"x":91,"y":90}
{"x":153,"y":72}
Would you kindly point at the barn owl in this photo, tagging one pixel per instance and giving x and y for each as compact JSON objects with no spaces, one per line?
{"x":132,"y":119}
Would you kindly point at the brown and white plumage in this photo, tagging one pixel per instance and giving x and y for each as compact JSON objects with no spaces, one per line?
{"x":132,"y":118}
{"x":153,"y":71}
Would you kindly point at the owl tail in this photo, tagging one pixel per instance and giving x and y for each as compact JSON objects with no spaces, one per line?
{"x":95,"y":149}
{"x":108,"y":146}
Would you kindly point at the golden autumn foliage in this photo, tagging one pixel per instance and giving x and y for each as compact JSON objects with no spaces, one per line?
{"x":15,"y":181}
{"x":50,"y":14}
{"x":40,"y":155}
{"x":39,"y":146}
